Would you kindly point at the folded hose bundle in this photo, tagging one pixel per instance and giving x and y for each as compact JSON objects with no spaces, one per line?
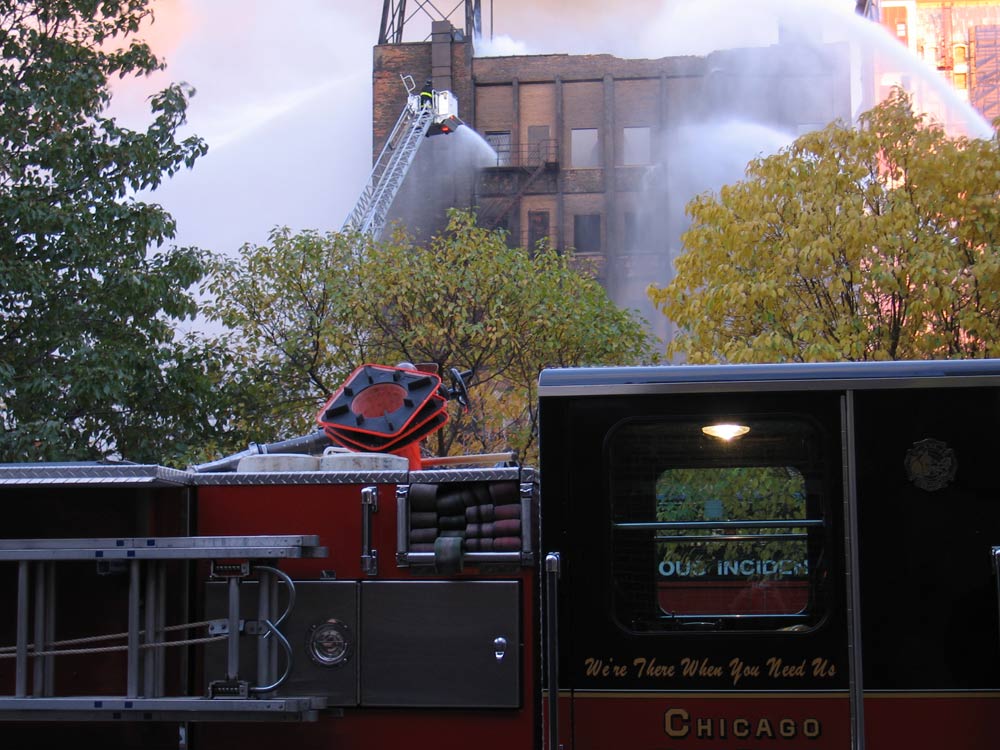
{"x":423,"y":520}
{"x":448,"y":554}
{"x":423,"y":497}
{"x":451,"y":522}
{"x":503,"y":512}
{"x":457,"y":518}
{"x":479,"y":513}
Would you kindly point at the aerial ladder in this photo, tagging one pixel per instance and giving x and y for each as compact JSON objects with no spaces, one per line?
{"x":423,"y":116}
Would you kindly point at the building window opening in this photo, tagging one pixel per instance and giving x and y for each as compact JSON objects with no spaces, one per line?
{"x":584,"y":153}
{"x":959,"y":54}
{"x":499,"y":141}
{"x":635,"y":146}
{"x":538,"y":230}
{"x":539,"y":145}
{"x":636,"y":236}
{"x":587,"y":233}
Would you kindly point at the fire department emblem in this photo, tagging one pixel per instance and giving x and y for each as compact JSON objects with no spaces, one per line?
{"x":930,"y":464}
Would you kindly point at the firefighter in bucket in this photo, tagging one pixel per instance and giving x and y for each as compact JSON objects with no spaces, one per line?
{"x":427,"y":95}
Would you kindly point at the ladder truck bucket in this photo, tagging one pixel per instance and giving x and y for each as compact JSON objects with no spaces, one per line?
{"x":445,"y":118}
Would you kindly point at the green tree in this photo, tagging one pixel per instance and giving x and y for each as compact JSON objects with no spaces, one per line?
{"x":308,"y":309}
{"x":875,"y":242}
{"x":89,"y":362}
{"x":289,"y":309}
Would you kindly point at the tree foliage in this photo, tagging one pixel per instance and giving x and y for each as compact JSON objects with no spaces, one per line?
{"x":875,"y":242}
{"x":309,"y":308}
{"x":731,"y":493}
{"x":288,"y":307}
{"x":89,"y":364}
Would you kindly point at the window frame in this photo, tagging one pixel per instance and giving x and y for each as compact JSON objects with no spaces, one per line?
{"x":647,"y":147}
{"x":535,"y":222}
{"x":505,"y":152}
{"x":539,"y":145}
{"x":816,"y":535}
{"x":580,"y":219}
{"x":577,"y":147}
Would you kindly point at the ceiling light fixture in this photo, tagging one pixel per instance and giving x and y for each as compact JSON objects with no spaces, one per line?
{"x":726,"y":431}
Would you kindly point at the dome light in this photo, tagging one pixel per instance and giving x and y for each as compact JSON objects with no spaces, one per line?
{"x":726,"y":431}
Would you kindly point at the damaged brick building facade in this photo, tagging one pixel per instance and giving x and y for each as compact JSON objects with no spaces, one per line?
{"x":592,"y":152}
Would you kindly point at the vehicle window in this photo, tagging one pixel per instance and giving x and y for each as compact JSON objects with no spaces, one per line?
{"x":717,"y":533}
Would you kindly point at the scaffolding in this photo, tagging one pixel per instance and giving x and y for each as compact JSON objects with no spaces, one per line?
{"x":985,"y":83}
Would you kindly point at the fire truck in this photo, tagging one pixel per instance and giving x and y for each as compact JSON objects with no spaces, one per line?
{"x":798,"y":556}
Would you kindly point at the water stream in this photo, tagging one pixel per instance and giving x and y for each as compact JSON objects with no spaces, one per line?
{"x":777,"y":69}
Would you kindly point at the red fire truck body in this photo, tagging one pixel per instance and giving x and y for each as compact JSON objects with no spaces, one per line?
{"x":796,"y":557}
{"x":425,"y":667}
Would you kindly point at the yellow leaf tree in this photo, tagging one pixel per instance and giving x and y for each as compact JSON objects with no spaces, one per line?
{"x":875,"y":242}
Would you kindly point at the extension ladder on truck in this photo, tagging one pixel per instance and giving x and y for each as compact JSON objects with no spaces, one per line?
{"x":232,"y":559}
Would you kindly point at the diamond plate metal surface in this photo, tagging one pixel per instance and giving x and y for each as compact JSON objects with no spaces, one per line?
{"x":498,"y":474}
{"x":299,"y":477}
{"x":82,"y":474}
{"x":125,"y":475}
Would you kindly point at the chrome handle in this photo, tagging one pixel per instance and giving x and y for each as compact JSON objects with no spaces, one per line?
{"x":995,"y":551}
{"x":369,"y":505}
{"x":553,"y":569}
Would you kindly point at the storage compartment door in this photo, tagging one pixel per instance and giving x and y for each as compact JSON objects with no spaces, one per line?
{"x":440,"y":643}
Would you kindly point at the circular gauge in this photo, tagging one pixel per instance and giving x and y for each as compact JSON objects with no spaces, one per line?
{"x":328,"y":643}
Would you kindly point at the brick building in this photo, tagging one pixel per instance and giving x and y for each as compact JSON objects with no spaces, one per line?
{"x":960,"y":38}
{"x":598,"y":153}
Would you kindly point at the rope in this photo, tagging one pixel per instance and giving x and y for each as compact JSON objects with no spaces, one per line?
{"x":7,"y":652}
{"x":108,"y":649}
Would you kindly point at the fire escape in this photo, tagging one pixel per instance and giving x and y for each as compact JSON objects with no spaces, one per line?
{"x":945,"y":60}
{"x":499,"y":189}
{"x":985,"y":88}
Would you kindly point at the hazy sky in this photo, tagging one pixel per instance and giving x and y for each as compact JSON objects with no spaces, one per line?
{"x":283,"y":100}
{"x":284,"y":90}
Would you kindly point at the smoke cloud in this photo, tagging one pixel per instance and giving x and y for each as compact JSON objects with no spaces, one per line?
{"x":284,"y":91}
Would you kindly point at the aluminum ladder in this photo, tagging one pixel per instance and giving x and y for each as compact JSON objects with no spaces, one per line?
{"x":372,"y":209}
{"x":144,"y":558}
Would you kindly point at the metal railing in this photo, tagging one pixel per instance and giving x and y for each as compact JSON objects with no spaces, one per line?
{"x":526,"y":155}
